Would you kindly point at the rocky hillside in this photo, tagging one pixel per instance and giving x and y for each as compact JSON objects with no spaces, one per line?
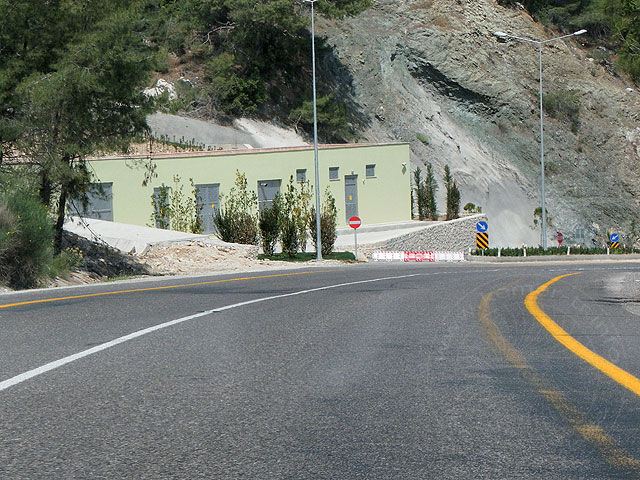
{"x":435,"y":68}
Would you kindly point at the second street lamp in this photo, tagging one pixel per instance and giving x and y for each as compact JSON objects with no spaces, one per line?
{"x":540,"y":44}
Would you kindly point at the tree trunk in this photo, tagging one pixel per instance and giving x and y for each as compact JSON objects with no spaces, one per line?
{"x":45,"y":188}
{"x":62,"y":205}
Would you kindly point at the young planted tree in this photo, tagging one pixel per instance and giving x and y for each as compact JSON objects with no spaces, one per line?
{"x":236,"y":219}
{"x":328,"y":221}
{"x":453,"y":195}
{"x":269,"y":223}
{"x":425,"y":193}
{"x":420,"y":199}
{"x":289,"y":219}
{"x":430,"y":189}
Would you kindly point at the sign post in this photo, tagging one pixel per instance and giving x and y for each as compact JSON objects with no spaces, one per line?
{"x":482,"y":236}
{"x":615,"y":240}
{"x":355,"y":222}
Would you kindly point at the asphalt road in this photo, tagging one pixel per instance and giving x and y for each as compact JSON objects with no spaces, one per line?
{"x":400,"y":371}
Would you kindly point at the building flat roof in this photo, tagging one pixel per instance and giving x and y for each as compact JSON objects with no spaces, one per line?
{"x":247,"y":151}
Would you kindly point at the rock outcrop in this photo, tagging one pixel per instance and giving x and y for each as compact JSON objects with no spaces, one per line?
{"x":434,"y":69}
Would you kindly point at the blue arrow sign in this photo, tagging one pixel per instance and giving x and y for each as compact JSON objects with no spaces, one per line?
{"x":614,"y":237}
{"x":482,"y":227}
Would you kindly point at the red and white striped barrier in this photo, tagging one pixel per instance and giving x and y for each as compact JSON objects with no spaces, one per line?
{"x":429,"y":256}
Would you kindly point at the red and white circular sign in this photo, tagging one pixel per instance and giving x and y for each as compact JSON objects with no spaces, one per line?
{"x":355,"y":222}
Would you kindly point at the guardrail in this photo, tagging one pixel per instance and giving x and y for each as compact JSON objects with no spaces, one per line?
{"x":425,"y":256}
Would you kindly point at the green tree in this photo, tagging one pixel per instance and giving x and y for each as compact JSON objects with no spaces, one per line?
{"x":253,"y":50}
{"x":430,"y":189}
{"x":70,"y":84}
{"x":453,"y":195}
{"x":420,"y":199}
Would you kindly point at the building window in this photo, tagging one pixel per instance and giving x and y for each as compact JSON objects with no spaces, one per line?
{"x":96,"y":203}
{"x":371,"y":170}
{"x":301,"y":175}
{"x":333,"y":173}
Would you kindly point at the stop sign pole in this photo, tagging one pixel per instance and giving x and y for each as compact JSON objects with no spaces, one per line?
{"x":355,"y":222}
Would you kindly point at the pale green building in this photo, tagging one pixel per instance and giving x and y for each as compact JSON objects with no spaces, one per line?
{"x":370,"y":181}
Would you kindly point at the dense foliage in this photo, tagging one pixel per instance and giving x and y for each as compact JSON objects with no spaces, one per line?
{"x":26,"y":234}
{"x":614,"y":22}
{"x":255,"y":55}
{"x":71,"y":80}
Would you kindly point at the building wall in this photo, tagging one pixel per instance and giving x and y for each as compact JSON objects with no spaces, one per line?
{"x":383,"y":198}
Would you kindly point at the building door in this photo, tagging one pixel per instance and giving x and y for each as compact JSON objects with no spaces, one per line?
{"x":97,"y":203}
{"x":267,"y":190}
{"x":351,"y":195}
{"x":208,"y":201}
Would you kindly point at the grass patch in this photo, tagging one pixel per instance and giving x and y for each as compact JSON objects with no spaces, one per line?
{"x":307,"y":257}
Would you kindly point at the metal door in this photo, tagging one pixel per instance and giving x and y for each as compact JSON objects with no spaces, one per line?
{"x":267,"y":190}
{"x":351,"y":196}
{"x":208,"y":201}
{"x":97,"y":203}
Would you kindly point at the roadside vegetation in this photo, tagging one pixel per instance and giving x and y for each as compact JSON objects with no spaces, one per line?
{"x":539,"y":251}
{"x":288,"y":220}
{"x":615,"y":24}
{"x":307,"y":257}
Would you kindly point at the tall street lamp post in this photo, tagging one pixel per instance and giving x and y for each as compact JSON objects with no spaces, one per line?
{"x":315,"y":135}
{"x":540,"y":44}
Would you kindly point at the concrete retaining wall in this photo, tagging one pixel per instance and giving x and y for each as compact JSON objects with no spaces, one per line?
{"x":455,"y":235}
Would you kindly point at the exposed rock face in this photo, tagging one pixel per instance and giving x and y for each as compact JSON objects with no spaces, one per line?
{"x":435,"y":68}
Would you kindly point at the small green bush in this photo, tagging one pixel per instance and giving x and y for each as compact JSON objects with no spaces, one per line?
{"x":269,"y":223}
{"x":26,"y":240}
{"x":563,"y":105}
{"x":328,"y":218}
{"x":236,"y":219}
{"x":289,"y":236}
{"x":289,"y":220}
{"x":423,"y":138}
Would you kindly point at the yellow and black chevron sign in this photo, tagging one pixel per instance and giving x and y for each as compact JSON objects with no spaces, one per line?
{"x":615,"y":244}
{"x":482,"y":240}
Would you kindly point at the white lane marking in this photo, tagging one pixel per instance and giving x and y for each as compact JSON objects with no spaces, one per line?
{"x":85,"y":353}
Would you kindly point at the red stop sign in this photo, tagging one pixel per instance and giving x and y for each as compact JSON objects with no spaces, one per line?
{"x":355,"y":222}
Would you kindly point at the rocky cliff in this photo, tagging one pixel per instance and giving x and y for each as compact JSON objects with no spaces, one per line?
{"x":435,"y":68}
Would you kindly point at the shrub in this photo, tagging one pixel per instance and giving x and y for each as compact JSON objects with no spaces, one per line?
{"x":471,"y":207}
{"x":328,"y":217}
{"x":289,"y":220}
{"x":289,"y":236}
{"x":236,"y":219}
{"x":26,"y":240}
{"x":563,"y":105}
{"x":423,"y":138}
{"x":269,"y":223}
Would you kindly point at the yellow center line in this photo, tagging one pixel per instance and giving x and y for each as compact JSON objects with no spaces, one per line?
{"x":167,"y":287}
{"x":605,"y":366}
{"x":608,"y":447}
